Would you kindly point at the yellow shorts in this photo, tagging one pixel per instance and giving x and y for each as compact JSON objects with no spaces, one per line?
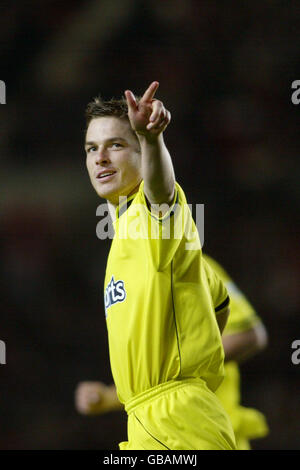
{"x":178,"y":415}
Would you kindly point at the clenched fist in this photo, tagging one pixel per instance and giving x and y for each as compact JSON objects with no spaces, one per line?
{"x":96,"y":398}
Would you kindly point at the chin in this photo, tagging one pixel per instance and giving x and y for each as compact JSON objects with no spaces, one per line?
{"x":109,"y":196}
{"x":104,"y":193}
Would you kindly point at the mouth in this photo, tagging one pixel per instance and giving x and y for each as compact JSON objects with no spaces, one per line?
{"x":105,"y":175}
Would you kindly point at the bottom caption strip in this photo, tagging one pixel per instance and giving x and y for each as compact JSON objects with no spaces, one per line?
{"x":151,"y":459}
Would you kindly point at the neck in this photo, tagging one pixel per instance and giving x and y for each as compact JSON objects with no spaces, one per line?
{"x":112,"y":210}
{"x":112,"y":206}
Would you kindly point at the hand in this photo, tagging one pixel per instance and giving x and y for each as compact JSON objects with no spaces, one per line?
{"x":95,"y":398}
{"x":148,"y":116}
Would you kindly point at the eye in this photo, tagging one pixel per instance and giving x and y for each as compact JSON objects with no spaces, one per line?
{"x":116,"y":145}
{"x":91,"y":149}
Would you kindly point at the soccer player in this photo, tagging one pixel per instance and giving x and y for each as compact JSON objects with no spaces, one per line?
{"x":165,"y":307}
{"x":243,"y":336}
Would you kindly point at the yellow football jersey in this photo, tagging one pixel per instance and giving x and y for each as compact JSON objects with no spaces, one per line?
{"x":161,"y":300}
{"x":247,"y":422}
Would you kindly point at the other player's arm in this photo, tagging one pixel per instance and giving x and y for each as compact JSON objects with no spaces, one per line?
{"x":240,"y":346}
{"x":149,"y":118}
{"x":96,"y":398}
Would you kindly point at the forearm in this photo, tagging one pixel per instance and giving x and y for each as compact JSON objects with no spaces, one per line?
{"x":240,"y":346}
{"x":157,"y":169}
{"x":236,"y":349}
{"x":149,"y":119}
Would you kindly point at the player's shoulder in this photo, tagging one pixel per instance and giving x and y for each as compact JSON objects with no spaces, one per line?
{"x":140,"y":201}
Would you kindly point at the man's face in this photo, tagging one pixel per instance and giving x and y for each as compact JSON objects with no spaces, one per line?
{"x":113,"y":158}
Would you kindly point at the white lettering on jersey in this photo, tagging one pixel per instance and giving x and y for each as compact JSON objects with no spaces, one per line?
{"x":114,"y":292}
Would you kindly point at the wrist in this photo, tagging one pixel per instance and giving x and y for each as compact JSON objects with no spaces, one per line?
{"x":149,"y":138}
{"x":112,"y":397}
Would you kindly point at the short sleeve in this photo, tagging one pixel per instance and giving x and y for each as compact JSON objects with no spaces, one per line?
{"x":163,"y":235}
{"x":218,"y":290}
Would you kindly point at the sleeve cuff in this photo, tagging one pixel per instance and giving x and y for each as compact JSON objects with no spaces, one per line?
{"x":223,"y":304}
{"x":169,"y":213}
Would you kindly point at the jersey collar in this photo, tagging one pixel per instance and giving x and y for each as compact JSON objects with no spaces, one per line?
{"x":124,"y":205}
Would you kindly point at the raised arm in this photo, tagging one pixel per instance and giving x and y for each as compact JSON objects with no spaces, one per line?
{"x":149,"y":118}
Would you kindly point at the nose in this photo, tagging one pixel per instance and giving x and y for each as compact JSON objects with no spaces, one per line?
{"x":102,"y":156}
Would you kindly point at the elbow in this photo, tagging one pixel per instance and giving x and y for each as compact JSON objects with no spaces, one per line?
{"x":261,"y":337}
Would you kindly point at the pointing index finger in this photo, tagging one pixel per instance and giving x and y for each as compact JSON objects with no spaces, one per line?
{"x":150,"y":92}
